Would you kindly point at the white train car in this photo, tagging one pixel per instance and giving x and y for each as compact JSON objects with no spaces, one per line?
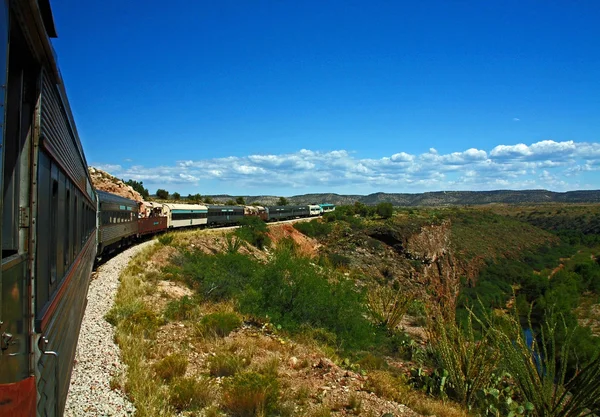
{"x":314,"y":209}
{"x":185,"y":215}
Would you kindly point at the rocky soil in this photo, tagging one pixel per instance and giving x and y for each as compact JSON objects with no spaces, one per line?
{"x":105,"y":182}
{"x":97,"y":358}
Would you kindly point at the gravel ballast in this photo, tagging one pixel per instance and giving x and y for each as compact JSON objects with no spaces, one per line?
{"x":97,"y":358}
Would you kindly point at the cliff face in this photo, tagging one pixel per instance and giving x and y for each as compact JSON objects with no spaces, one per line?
{"x":425,"y":254}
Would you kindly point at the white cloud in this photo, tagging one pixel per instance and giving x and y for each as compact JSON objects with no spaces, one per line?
{"x":545,"y":164}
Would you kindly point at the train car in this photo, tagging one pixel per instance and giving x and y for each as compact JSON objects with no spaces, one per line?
{"x":314,"y":210}
{"x":117,"y":222}
{"x":153,"y":221}
{"x":48,"y":218}
{"x":275,"y":213}
{"x":185,"y":215}
{"x":224,"y":215}
{"x":327,"y":208}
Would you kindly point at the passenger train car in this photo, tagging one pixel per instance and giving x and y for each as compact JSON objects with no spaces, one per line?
{"x":54,"y":224}
{"x":48,"y":218}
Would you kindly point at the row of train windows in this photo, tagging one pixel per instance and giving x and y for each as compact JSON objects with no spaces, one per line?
{"x":227,"y":213}
{"x":113,"y":217}
{"x":66,"y":221}
{"x":188,"y":216}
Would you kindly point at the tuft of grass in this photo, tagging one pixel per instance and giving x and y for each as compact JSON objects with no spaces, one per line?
{"x":171,"y":366}
{"x":226,"y":364}
{"x":190,"y":393}
{"x":250,"y":394}
{"x":182,"y":309}
{"x":218,"y":324}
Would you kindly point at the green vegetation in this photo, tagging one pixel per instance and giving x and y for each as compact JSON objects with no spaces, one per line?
{"x":282,"y":201}
{"x":139,"y":187}
{"x":482,"y":361}
{"x":162,"y":194}
{"x":254,"y":231}
{"x":314,"y":228}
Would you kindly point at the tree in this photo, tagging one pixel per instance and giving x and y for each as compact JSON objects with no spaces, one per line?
{"x":176,"y":196}
{"x":230,"y":202}
{"x":162,"y":194}
{"x":197,"y":198}
{"x":139,"y":187}
{"x":385,"y":210}
{"x":282,"y":201}
{"x":208,"y":200}
{"x":240,"y":201}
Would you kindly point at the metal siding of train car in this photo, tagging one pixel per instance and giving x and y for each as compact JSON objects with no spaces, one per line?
{"x":61,"y":325}
{"x":58,"y":135}
{"x":152,"y":225}
{"x":62,"y":333}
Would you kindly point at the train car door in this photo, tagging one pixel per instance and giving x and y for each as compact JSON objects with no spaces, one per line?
{"x":20,"y":73}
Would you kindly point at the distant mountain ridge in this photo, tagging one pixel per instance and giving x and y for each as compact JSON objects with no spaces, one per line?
{"x":437,"y":198}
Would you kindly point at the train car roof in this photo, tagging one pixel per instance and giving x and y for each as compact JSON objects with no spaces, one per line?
{"x":176,"y":206}
{"x":216,"y":206}
{"x":106,"y":197}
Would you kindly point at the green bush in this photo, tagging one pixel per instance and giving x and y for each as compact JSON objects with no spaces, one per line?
{"x":166,"y":239}
{"x":219,"y":324}
{"x":385,"y":210}
{"x":217,"y":277}
{"x":292,"y":292}
{"x":254,"y":231}
{"x":250,"y":394}
{"x":314,"y":228}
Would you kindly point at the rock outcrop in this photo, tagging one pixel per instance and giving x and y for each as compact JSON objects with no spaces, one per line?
{"x":103,"y":181}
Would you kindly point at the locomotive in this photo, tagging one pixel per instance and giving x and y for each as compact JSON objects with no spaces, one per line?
{"x":54,"y":224}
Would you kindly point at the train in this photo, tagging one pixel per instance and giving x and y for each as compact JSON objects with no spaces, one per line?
{"x":55,"y":225}
{"x":123,"y":221}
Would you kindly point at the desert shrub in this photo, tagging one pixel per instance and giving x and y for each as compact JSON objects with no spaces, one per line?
{"x":190,"y":393}
{"x":387,"y":306}
{"x":181,"y":309}
{"x":254,"y":231}
{"x":292,"y":292}
{"x":134,"y":314}
{"x":171,"y":366}
{"x":250,"y":394}
{"x":217,"y":277}
{"x":219,"y":324}
{"x":226,"y":364}
{"x":385,"y":210}
{"x":339,"y":260}
{"x":314,"y":228}
{"x":468,"y":363}
{"x":540,"y":370}
{"x":166,"y":239}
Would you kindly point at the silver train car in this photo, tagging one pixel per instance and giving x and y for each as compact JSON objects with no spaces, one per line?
{"x":48,"y":218}
{"x":117,"y":222}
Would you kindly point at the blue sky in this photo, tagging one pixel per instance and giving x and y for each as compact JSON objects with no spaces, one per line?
{"x":291,"y":97}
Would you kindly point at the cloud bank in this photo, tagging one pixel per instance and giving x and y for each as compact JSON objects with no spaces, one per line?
{"x":558,"y":166}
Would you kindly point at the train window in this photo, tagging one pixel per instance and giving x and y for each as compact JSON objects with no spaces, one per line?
{"x":53,"y":229}
{"x":75,"y":245}
{"x":67,"y":231}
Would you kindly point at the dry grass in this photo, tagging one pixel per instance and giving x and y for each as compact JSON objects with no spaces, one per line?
{"x":393,"y":388}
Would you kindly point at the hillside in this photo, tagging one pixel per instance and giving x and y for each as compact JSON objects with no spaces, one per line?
{"x":432,"y":199}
